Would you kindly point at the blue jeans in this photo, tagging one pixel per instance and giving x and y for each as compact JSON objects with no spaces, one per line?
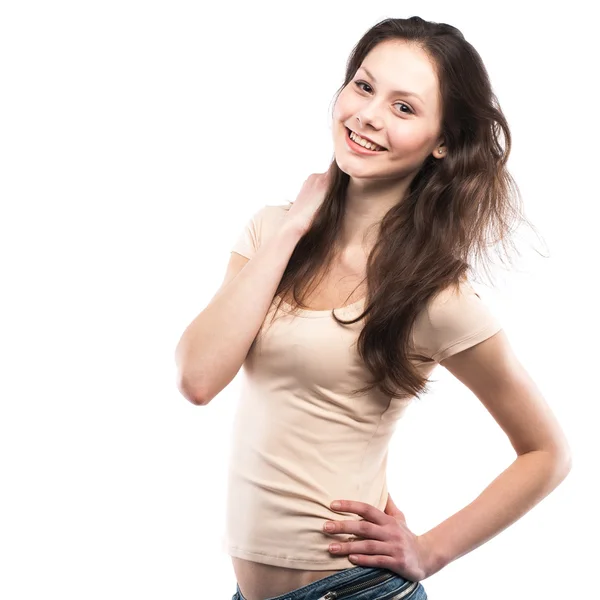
{"x":355,"y":583}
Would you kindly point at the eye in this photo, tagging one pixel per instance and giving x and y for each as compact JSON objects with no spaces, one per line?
{"x":359,"y":83}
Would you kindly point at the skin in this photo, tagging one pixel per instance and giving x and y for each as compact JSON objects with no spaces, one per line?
{"x":495,"y":376}
{"x":407,"y":127}
{"x":385,"y":540}
{"x":490,"y":369}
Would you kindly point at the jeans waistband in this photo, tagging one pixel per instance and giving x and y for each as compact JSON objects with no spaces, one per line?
{"x":349,"y":582}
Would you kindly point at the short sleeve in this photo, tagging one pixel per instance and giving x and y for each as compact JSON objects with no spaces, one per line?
{"x":262,"y":224}
{"x":248,"y":240}
{"x":454,"y":321}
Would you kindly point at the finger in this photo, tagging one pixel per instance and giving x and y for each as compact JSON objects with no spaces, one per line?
{"x":392,"y":509}
{"x":373,"y":560}
{"x":368,"y":511}
{"x":362,"y":547}
{"x":362,"y":528}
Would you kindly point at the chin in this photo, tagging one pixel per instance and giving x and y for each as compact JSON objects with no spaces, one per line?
{"x":349,"y":165}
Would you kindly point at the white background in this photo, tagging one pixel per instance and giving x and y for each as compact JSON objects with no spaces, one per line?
{"x":136,"y":140}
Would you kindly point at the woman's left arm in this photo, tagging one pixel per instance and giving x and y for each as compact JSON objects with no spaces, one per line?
{"x":493,"y":373}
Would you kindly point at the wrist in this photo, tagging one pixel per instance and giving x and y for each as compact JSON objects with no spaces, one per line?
{"x":291,"y":228}
{"x":433,"y":561}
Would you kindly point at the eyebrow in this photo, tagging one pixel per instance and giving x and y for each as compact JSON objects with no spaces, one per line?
{"x":401,"y":92}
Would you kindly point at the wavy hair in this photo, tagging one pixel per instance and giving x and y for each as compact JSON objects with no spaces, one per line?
{"x":454,"y":212}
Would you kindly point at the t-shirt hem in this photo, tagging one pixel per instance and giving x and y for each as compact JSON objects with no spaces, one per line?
{"x":244,"y":253}
{"x":340,"y":562}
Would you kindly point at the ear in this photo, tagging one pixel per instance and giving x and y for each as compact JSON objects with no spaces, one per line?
{"x":436,"y":151}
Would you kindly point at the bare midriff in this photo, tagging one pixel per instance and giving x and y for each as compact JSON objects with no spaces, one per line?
{"x":258,"y":581}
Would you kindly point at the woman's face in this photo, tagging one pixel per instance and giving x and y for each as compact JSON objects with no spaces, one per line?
{"x":406,"y":123}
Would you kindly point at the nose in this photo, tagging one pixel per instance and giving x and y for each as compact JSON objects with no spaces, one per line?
{"x":369,"y":116}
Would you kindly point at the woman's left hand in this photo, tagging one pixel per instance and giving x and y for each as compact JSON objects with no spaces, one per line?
{"x":384,"y":540}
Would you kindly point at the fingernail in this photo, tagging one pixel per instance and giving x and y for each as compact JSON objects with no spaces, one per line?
{"x":329,"y":526}
{"x":336,"y":504}
{"x":334,"y":547}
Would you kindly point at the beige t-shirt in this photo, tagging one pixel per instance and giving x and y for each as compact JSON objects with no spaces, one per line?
{"x":300,"y":440}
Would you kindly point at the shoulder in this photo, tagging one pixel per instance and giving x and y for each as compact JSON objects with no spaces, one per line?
{"x":446,"y":302}
{"x":269,"y":213}
{"x":259,"y":227}
{"x":454,"y":319}
{"x":276,"y":211}
{"x":267,"y":219}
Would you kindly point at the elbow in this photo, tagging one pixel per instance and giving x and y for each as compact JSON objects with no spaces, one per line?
{"x":563,"y":463}
{"x":197,"y":399}
{"x":188,"y":387}
{"x":567,"y":464}
{"x":564,"y":457}
{"x":204,"y":384}
{"x":563,"y":469}
{"x":192,"y":393}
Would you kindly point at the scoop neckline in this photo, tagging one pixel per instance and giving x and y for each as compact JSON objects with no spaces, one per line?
{"x":309,"y":313}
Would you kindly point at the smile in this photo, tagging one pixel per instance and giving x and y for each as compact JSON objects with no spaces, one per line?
{"x":357,"y":148}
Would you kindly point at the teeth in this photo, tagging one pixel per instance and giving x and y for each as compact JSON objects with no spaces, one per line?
{"x":364,"y":143}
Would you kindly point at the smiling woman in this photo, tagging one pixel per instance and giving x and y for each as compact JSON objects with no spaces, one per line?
{"x":348,"y":300}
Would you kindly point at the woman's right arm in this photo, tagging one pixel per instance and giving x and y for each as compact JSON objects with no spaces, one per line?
{"x":214,"y":346}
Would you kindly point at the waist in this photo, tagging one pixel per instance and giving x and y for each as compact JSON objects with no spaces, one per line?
{"x":259,"y":581}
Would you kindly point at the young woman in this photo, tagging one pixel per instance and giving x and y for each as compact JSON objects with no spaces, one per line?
{"x":417,"y":190}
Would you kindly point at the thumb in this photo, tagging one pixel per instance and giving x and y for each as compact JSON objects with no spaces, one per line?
{"x":392,"y":510}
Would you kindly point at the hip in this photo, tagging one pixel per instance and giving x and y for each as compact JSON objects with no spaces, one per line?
{"x":259,"y":581}
{"x":359,"y":583}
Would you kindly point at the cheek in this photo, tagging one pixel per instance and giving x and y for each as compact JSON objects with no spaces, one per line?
{"x":346,"y":106}
{"x":337,"y":111}
{"x":409,"y":139}
{"x":342,"y":111}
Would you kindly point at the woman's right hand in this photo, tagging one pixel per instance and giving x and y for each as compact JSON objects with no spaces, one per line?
{"x":310,"y":198}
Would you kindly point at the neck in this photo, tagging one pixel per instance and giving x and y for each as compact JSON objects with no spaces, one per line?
{"x":366,"y":204}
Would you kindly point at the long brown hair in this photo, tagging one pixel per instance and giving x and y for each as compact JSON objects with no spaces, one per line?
{"x":454,"y":211}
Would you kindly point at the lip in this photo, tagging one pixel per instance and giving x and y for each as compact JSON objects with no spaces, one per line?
{"x":366,"y":138}
{"x":357,"y":148}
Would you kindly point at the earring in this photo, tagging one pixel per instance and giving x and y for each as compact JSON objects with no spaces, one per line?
{"x":441,"y":151}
